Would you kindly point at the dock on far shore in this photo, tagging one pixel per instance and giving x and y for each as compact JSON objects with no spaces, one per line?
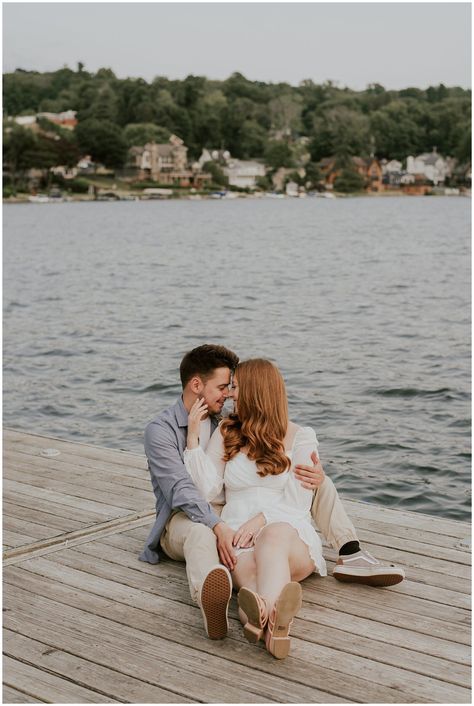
{"x":86,"y":622}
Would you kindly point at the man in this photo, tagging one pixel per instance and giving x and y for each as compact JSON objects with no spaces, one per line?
{"x":189,"y":529}
{"x":186,"y":527}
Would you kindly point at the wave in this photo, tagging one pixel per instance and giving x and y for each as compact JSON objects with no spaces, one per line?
{"x":409,"y":392}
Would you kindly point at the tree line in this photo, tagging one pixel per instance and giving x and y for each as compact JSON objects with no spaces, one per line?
{"x":251,"y":119}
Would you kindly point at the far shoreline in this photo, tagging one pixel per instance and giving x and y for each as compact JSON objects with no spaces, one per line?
{"x":220,"y":196}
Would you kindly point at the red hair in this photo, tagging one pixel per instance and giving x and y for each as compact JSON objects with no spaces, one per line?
{"x":261,"y":422}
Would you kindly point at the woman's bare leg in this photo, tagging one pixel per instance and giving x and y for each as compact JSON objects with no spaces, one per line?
{"x":280,"y":557}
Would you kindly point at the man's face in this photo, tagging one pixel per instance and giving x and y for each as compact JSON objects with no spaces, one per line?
{"x":216,"y":390}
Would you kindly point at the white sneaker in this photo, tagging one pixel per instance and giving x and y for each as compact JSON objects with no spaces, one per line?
{"x":214,"y":598}
{"x":362,"y":567}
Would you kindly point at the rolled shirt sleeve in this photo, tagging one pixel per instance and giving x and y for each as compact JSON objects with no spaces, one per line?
{"x":169,"y":473}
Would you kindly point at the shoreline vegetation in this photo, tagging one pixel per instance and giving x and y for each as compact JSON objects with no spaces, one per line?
{"x":82,"y":136}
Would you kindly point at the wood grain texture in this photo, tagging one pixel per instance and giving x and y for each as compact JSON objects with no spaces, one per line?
{"x":86,"y":622}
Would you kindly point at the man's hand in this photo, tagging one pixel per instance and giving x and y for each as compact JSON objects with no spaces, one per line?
{"x":225,"y":538}
{"x":310,"y":477}
{"x":245,"y":535}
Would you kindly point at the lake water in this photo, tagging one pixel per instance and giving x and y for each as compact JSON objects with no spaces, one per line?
{"x":362,"y":302}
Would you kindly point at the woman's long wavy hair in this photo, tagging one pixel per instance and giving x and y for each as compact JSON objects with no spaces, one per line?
{"x":261,"y":421}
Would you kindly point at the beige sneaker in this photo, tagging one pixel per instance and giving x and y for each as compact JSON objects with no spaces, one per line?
{"x":214,"y":599}
{"x":362,"y":567}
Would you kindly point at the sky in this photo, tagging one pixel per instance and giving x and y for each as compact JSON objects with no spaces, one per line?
{"x":352,"y":44}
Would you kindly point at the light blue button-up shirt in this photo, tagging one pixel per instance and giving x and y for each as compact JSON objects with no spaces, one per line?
{"x":165,"y":442}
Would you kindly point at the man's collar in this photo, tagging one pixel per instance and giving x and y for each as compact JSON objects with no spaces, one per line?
{"x":181,"y":413}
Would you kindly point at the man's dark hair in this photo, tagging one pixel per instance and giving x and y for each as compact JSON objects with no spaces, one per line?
{"x":204,"y":360}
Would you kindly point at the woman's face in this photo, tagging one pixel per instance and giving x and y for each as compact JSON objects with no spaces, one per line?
{"x":234,"y":391}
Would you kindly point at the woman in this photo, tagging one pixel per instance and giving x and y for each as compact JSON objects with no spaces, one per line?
{"x":253,"y":453}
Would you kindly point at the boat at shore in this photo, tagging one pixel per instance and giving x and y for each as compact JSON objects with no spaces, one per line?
{"x":39,"y":198}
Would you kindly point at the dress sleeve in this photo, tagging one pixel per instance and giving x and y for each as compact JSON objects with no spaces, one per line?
{"x":296,"y":499}
{"x":168,"y":475}
{"x":206,"y":468}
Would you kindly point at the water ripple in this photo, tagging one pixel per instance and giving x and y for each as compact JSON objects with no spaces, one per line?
{"x":350,"y":311}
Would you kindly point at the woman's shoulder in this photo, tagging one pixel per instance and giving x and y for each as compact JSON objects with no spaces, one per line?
{"x":303,"y":435}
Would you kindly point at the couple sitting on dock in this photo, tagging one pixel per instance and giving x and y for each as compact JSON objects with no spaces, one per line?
{"x":235,"y":499}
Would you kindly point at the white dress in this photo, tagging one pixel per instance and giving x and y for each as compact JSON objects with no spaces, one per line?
{"x":280,"y":498}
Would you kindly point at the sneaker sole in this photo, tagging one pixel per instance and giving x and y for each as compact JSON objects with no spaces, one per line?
{"x":215,"y":596}
{"x":373,"y":580}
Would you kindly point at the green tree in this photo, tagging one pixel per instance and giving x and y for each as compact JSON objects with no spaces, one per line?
{"x":103,"y":140}
{"x":17,"y":146}
{"x":349,"y":181}
{"x":341,"y":132}
{"x":285,"y":113}
{"x":253,"y":140}
{"x":141,"y":133}
{"x":397,"y":130}
{"x":218,"y":176}
{"x":278,"y":154}
{"x":313,"y":175}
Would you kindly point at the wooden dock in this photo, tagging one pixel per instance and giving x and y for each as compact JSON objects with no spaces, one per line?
{"x":86,"y":622}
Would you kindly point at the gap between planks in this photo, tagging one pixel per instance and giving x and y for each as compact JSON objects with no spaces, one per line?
{"x":71,"y":539}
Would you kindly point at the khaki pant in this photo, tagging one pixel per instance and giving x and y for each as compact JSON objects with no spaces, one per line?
{"x":194,"y":543}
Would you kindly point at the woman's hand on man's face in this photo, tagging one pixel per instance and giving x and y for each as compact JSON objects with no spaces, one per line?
{"x":196,"y":413}
{"x":310,"y":477}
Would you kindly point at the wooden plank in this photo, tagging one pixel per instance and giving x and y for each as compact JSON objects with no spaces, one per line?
{"x":376,"y":599}
{"x":152,"y":658}
{"x":412,"y":520}
{"x":16,"y":465}
{"x":34,"y":443}
{"x":131,"y":501}
{"x":459,"y":573}
{"x":64,"y":524}
{"x":413,"y":546}
{"x":85,"y":673}
{"x":105,"y":509}
{"x":13,"y":696}
{"x":435,"y":627}
{"x":392,"y":530}
{"x":426,"y":590}
{"x":71,"y":539}
{"x":379,"y":600}
{"x":33,"y":529}
{"x":16,"y":539}
{"x":423,"y":590}
{"x":46,"y":686}
{"x":30,"y":502}
{"x":129,"y":548}
{"x":148,"y":640}
{"x":78,"y":582}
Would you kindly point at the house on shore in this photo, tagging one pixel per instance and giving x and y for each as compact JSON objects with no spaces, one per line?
{"x":392,"y":172}
{"x":166,"y":164}
{"x":431,"y":165}
{"x":221,"y":157}
{"x":163,"y":163}
{"x":369,"y":169}
{"x":244,"y":173}
{"x":67,"y":119}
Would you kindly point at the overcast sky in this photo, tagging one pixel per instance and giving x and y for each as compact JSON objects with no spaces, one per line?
{"x":354,"y":44}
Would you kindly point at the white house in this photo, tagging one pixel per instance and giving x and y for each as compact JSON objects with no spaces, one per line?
{"x":244,"y":173}
{"x":209,"y":155}
{"x":432,"y":165}
{"x":393,"y":166}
